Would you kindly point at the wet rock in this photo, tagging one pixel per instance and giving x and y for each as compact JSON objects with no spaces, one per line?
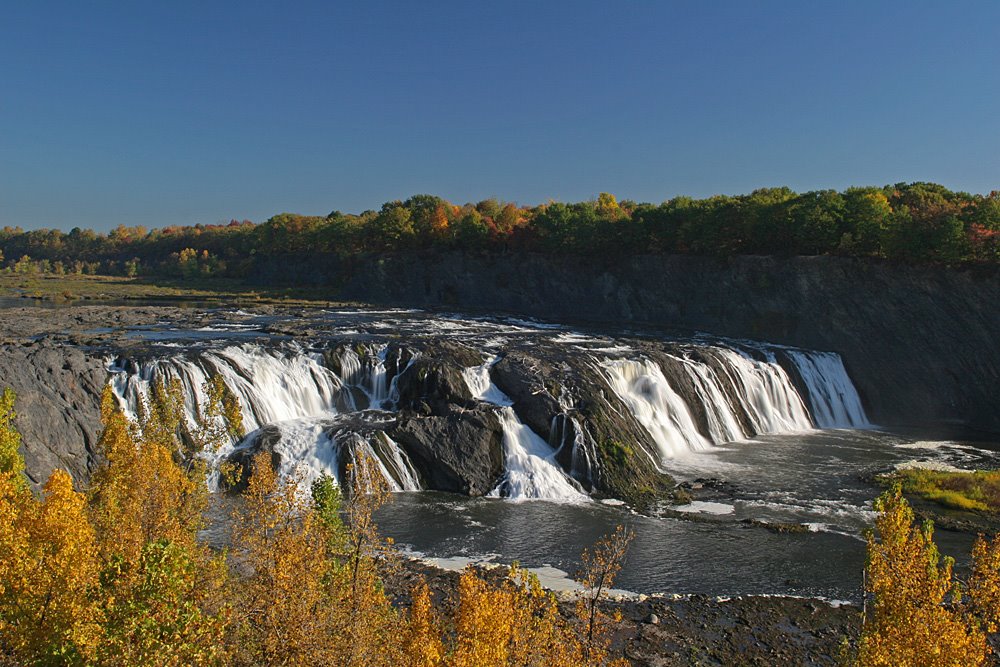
{"x":460,"y":451}
{"x":563,"y":397}
{"x":434,"y":378}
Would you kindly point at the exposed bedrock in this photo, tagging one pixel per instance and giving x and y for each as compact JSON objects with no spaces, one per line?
{"x":58,"y":406}
{"x":919,"y":342}
{"x":460,"y":450}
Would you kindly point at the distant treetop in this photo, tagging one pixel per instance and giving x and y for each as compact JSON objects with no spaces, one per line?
{"x":907,"y":222}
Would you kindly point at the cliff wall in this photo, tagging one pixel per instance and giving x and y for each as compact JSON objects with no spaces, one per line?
{"x":921,"y":343}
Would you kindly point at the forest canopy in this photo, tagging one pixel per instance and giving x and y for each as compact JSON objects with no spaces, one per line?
{"x":914,"y":223}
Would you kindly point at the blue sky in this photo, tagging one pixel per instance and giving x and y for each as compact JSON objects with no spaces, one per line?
{"x":185,"y":112}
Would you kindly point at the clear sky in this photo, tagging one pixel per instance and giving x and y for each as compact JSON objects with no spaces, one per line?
{"x":183,"y":112}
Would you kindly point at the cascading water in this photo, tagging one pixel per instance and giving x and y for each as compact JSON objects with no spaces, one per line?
{"x":271,"y":385}
{"x":367,"y":374}
{"x":737,"y":388}
{"x":288,"y":389}
{"x":316,"y":408}
{"x":532,"y":472}
{"x":641,"y":385}
{"x":765,"y":392}
{"x":722,"y":423}
{"x":834,"y":400}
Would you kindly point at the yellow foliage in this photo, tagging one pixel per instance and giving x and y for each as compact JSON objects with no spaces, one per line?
{"x":910,"y":622}
{"x":47,"y":570}
{"x":222,"y":417}
{"x":142,"y":494}
{"x":984,"y":584}
{"x":977,"y":491}
{"x":280,"y":600}
{"x":10,"y":440}
{"x":119,"y":577}
{"x":422,"y":644}
{"x":600,"y":566}
{"x":299,"y":602}
{"x":161,"y":591}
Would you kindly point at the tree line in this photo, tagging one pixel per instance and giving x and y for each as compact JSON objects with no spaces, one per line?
{"x":907,"y":222}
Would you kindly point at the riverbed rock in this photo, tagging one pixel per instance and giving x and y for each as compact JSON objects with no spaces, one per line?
{"x":460,"y":451}
{"x":58,"y":391}
{"x":434,"y":378}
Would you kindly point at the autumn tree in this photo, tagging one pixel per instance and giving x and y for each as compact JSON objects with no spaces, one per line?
{"x":512,"y":622}
{"x":422,"y":643}
{"x":10,"y":441}
{"x":280,"y":601}
{"x":161,"y":588}
{"x":142,"y":493}
{"x":600,"y":566}
{"x":912,"y":619}
{"x":307,"y":598}
{"x":356,"y":583}
{"x":983,"y":593}
{"x":48,"y":570}
{"x":221,"y":418}
{"x":48,"y":563}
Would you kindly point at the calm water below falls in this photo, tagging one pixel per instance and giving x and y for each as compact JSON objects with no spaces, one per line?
{"x":814,"y":478}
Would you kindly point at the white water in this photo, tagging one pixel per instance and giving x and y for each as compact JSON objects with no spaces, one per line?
{"x":759,"y":391}
{"x":766,"y":393}
{"x":722,"y":423}
{"x":271,"y":386}
{"x":641,"y":385}
{"x":835,"y":401}
{"x":290,"y":389}
{"x":306,"y":451}
{"x":532,"y":472}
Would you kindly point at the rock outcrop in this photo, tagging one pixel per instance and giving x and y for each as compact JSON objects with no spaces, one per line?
{"x":460,"y":451}
{"x":58,"y":391}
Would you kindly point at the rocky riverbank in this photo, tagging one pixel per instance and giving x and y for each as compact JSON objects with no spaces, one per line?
{"x":667,"y":630}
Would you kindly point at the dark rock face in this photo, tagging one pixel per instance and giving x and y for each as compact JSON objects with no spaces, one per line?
{"x":564,"y":398}
{"x":459,"y":451}
{"x":919,"y":342}
{"x":434,"y":380}
{"x":58,"y":391}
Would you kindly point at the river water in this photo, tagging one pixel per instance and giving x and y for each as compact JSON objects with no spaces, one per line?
{"x":813,"y":478}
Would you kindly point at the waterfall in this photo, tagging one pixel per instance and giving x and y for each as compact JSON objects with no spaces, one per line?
{"x":732,"y":388}
{"x":641,"y":385}
{"x":834,"y":400}
{"x":287,"y":389}
{"x":765,"y":392}
{"x":367,"y":374}
{"x":723,"y":425}
{"x":317,"y":408}
{"x":532,"y":472}
{"x":311,"y":447}
{"x":271,"y":385}
{"x":306,"y":451}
